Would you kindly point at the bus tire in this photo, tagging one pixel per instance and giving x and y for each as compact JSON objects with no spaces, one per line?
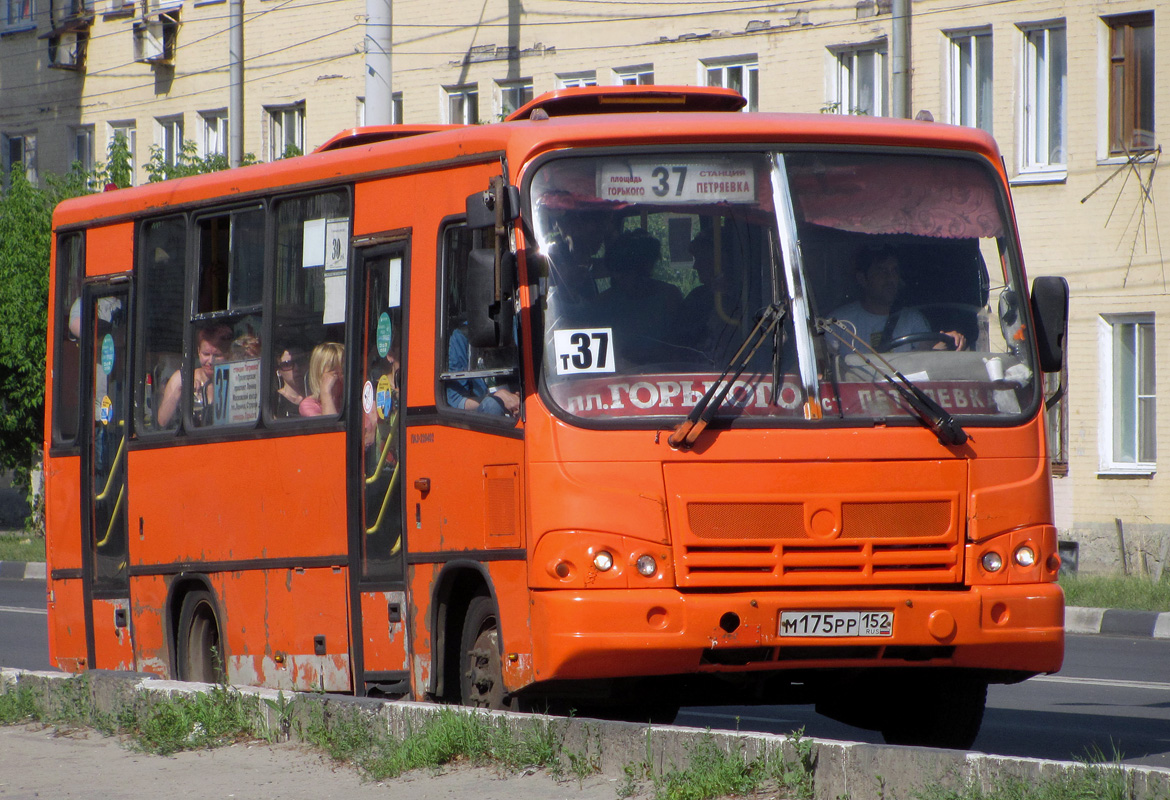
{"x":481,"y":675}
{"x":937,"y":711}
{"x":198,"y":649}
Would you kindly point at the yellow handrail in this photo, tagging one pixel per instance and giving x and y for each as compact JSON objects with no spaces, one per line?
{"x":385,"y":501}
{"x":113,"y":517}
{"x":113,"y":466}
{"x":385,"y":451}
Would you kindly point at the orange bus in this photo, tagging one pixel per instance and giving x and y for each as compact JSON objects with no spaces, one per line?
{"x":627,"y":399}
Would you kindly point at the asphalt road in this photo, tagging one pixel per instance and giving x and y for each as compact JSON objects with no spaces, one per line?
{"x":1112,"y":697}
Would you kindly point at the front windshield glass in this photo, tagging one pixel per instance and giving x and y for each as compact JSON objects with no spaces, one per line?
{"x":658,"y":267}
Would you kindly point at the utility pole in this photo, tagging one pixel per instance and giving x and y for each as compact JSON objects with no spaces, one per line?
{"x":379,"y":83}
{"x":900,"y":55}
{"x":236,"y":82}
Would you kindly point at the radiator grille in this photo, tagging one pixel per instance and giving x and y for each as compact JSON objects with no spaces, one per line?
{"x":791,"y":544}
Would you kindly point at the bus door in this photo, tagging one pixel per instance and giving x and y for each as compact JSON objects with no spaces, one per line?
{"x":377,"y":557}
{"x":105,"y":398}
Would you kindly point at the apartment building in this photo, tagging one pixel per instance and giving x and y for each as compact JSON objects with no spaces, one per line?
{"x":1066,"y":87}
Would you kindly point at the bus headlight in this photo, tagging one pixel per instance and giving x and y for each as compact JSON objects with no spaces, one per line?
{"x":1025,"y":556}
{"x":646,"y":565}
{"x":603,"y":560}
{"x":992,"y":561}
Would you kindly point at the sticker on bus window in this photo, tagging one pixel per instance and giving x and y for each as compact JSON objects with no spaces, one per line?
{"x":105,"y":410}
{"x":675,"y":181}
{"x":107,"y":354}
{"x":583,"y":351}
{"x":368,"y":398}
{"x":385,"y":397}
{"x":384,"y":335}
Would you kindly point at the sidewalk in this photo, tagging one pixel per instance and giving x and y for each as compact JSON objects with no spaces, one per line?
{"x":1110,"y":621}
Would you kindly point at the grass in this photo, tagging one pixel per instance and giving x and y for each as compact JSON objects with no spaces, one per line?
{"x":1094,"y":781}
{"x":1105,"y":591}
{"x":19,"y":546}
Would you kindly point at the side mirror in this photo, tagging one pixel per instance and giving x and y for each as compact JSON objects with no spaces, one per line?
{"x":489,"y":321}
{"x":481,"y":206}
{"x":1050,"y":315}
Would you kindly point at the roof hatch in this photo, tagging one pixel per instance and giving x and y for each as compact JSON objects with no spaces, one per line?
{"x":622,"y":99}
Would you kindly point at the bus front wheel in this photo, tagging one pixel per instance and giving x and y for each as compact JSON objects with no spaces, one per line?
{"x":936,"y":711}
{"x":481,"y":677}
{"x":199,"y":653}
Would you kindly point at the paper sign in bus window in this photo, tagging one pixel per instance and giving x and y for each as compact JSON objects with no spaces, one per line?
{"x":237,"y":392}
{"x":584,"y":351}
{"x":669,"y":181}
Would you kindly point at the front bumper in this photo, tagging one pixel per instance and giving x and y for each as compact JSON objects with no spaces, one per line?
{"x":590,"y":634}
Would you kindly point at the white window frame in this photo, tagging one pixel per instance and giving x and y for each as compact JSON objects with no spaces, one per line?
{"x":575,"y":80}
{"x":1121,"y":370}
{"x":635,"y":76}
{"x":727,"y":72}
{"x":282,"y":120}
{"x":130,"y":130}
{"x":852,"y":77}
{"x":214,"y":133}
{"x":18,"y":15}
{"x":967,"y":85}
{"x":461,"y":104}
{"x":1045,"y":62}
{"x":82,"y":147}
{"x":168,"y":135}
{"x":27,"y":143}
{"x":513,"y":95}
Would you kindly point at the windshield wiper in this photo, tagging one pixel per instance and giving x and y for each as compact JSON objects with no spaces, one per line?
{"x":936,"y":418}
{"x":688,"y":430}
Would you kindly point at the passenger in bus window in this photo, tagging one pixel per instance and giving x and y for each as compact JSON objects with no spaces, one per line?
{"x":245,"y":346}
{"x":290,"y":381}
{"x":475,"y":394}
{"x":212,"y":345}
{"x":874,"y":316}
{"x":325,"y":381}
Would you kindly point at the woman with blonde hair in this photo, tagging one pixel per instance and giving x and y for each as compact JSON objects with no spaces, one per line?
{"x":324,"y":381}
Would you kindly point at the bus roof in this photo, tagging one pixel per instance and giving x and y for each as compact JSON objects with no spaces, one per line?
{"x":355,"y":157}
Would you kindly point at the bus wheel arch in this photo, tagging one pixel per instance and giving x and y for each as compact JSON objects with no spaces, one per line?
{"x":197,"y":641}
{"x":458,"y":585}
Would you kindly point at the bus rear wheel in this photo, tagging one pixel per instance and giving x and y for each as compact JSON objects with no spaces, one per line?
{"x":481,"y":675}
{"x":198,"y":651}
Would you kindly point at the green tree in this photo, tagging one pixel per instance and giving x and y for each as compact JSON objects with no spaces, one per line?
{"x":25,"y":220}
{"x":187,"y":162}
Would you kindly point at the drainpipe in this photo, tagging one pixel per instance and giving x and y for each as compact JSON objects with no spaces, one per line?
{"x":900,"y":55}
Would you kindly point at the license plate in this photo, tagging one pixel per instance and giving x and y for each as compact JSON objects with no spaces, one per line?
{"x":837,"y":623}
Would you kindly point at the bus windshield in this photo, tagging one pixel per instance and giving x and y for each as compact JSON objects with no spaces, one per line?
{"x":884,"y":268}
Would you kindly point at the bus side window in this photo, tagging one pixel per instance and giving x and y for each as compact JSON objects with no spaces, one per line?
{"x":224,"y":373}
{"x":67,"y":386}
{"x":479,"y":381}
{"x":162,"y":267}
{"x":312,"y":255}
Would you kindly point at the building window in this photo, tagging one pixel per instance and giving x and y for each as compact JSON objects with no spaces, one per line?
{"x":1131,"y":84}
{"x":741,"y":75}
{"x":17,"y":14}
{"x":128,"y":133}
{"x":213,"y":134}
{"x":635,"y":76}
{"x":20,"y":149}
{"x":286,"y":133}
{"x":513,"y":95}
{"x":396,"y":109}
{"x":1129,"y":440}
{"x":970,"y":76}
{"x":859,"y":86}
{"x":82,"y":153}
{"x":169,"y":139}
{"x":574,"y":80}
{"x":1045,"y":95}
{"x":462,"y":104}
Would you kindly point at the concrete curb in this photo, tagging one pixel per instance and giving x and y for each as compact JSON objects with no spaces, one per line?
{"x":1117,"y":622}
{"x":20,"y":570}
{"x":839,"y":769}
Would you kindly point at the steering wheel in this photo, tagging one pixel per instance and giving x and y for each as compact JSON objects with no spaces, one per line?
{"x":922,"y":336}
